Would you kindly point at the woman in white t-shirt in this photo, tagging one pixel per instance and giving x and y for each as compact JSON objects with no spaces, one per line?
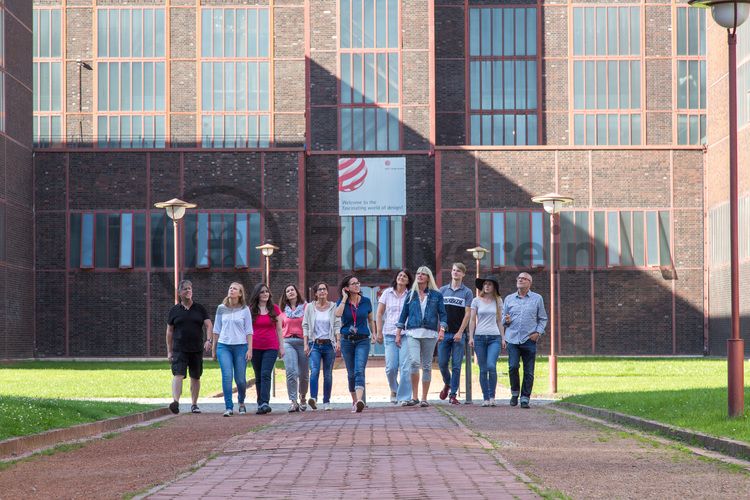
{"x":486,"y":334}
{"x":232,"y":344}
{"x":321,"y":330}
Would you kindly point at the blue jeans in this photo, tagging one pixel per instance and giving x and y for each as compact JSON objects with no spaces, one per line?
{"x":233,"y":364}
{"x":453,"y":351}
{"x":487,"y":348}
{"x":318,"y":353}
{"x":263,"y":361}
{"x":355,"y":358}
{"x":516,"y":353}
{"x":397,"y":363}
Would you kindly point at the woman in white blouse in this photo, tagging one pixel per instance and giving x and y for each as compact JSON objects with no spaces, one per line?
{"x":321,"y":329}
{"x":232,"y":344}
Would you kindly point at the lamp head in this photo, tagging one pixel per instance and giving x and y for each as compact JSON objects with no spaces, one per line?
{"x":267,"y":249}
{"x":552,"y":202}
{"x":728,"y":14}
{"x":175,"y":208}
{"x":477,"y":252}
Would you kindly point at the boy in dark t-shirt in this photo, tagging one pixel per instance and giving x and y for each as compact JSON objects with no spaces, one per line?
{"x":457,"y":299}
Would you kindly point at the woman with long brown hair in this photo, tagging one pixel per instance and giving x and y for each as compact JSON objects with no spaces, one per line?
{"x":267,"y":344}
{"x":295,"y":360}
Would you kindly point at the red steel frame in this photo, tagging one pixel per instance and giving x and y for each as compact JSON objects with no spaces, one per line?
{"x":700,"y":111}
{"x":96,"y":113}
{"x":373,"y":51}
{"x":641,"y":110}
{"x":468,"y":59}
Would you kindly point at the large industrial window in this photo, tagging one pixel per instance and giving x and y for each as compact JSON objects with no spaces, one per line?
{"x":108,"y":240}
{"x":131,"y":80}
{"x":369,"y":67}
{"x":503,"y":76}
{"x":691,"y":75}
{"x":607,"y":65}
{"x":517,"y":239}
{"x":48,"y":92}
{"x":222,"y":239}
{"x":632,"y":239}
{"x":372,"y":242}
{"x":235,"y":78}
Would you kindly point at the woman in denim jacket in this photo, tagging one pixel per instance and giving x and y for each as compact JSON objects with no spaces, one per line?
{"x":425,"y":320}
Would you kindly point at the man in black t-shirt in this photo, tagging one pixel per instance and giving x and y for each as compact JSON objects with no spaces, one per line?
{"x":185,"y":344}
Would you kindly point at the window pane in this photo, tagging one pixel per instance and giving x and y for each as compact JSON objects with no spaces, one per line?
{"x":511,"y":239}
{"x":87,"y":240}
{"x":384,"y":243}
{"x":393,"y":96}
{"x":537,"y":239}
{"x":113,"y":244}
{"x":397,"y":233}
{"x":359,"y":242}
{"x":626,"y":233}
{"x":613,"y":240}
{"x":202,"y":240}
{"x":215,"y":224}
{"x":652,"y":239}
{"x":665,"y":258}
{"x":498,"y":239}
{"x":485,"y":236}
{"x":474,"y":27}
{"x":101,"y":233}
{"x":637,"y":239}
{"x":600,"y":256}
{"x":371,"y":248}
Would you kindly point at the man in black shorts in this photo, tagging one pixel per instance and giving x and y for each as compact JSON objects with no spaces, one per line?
{"x":185,"y":344}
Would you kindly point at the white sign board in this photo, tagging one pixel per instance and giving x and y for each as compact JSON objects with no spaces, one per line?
{"x":372,"y":186}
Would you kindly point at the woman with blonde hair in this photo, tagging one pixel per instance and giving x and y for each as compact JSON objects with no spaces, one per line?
{"x":487,"y":332}
{"x":425,"y":321}
{"x":232,"y":344}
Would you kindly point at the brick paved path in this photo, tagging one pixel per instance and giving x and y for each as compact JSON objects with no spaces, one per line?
{"x":382,"y":453}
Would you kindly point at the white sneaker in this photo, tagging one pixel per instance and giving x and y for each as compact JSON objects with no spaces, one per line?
{"x":492,"y":402}
{"x":354,"y":407}
{"x":327,"y":407}
{"x":485,"y":403}
{"x":394,"y":400}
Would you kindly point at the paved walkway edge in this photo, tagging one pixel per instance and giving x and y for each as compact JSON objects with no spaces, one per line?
{"x":736,"y":449}
{"x":488,"y":446}
{"x":14,"y":448}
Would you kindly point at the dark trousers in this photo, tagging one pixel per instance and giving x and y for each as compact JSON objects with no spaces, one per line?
{"x":525,"y":352}
{"x":263,"y":361}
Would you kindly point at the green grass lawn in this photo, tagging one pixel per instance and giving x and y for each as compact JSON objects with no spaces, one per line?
{"x":100,"y":379}
{"x":22,"y":416}
{"x":686,"y":392}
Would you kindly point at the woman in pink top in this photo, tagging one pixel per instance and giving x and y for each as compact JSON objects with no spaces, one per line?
{"x":295,"y":360}
{"x":266,"y":343}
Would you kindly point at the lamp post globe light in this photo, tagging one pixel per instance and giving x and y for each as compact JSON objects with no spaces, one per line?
{"x":730,"y":14}
{"x":267,"y":250}
{"x":553,"y":203}
{"x":175,"y":210}
{"x":478,"y":253}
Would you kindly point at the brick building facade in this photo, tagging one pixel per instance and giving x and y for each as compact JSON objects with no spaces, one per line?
{"x":246,"y":107}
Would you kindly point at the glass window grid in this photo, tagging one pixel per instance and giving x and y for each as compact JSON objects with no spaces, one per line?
{"x":235,"y":42}
{"x":372,"y":242}
{"x":370,"y":71}
{"x":131,"y":77}
{"x":690,"y":76}
{"x":495,"y":116}
{"x":47,"y":76}
{"x":517,"y":239}
{"x":631,"y":239}
{"x":606,"y":75}
{"x":208,"y":245}
{"x":108,"y":240}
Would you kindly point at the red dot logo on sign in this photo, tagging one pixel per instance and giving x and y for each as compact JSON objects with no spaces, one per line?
{"x":352,"y":174}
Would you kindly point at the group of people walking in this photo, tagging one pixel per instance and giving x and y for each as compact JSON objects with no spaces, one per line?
{"x":413,"y":316}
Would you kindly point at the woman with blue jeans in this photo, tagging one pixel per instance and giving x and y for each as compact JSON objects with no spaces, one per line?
{"x":321,"y":330}
{"x":232,"y":338}
{"x":396,"y":358}
{"x":357,"y":325}
{"x":486,"y":335}
{"x":425,"y":320}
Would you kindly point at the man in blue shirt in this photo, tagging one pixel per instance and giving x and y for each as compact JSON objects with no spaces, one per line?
{"x":525,"y":320}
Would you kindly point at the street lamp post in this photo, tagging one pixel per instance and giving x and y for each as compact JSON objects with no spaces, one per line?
{"x":730,"y":14}
{"x":175,"y":210}
{"x":552,"y":203}
{"x":267,"y":250}
{"x":478,"y":253}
